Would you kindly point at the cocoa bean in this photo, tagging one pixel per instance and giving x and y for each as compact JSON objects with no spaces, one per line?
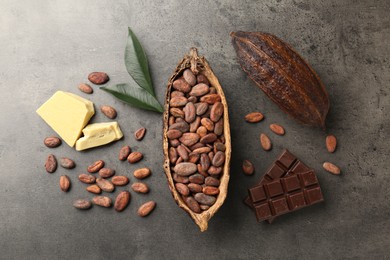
{"x":98,"y":78}
{"x":178,"y":102}
{"x":142,"y":173}
{"x":216,"y":112}
{"x":247,"y":167}
{"x":201,"y":108}
{"x":106,"y":172}
{"x":196,"y":146}
{"x":67,"y":163}
{"x":265,"y":142}
{"x":211,"y":98}
{"x":205,"y":162}
{"x":211,"y":181}
{"x":172,"y":154}
{"x":182,"y":152}
{"x":331,"y":143}
{"x":52,"y":141}
{"x":330,"y":167}
{"x":209,"y":138}
{"x":82,"y":204}
{"x":181,"y":85}
{"x":179,"y":160}
{"x":182,"y":189}
{"x":87,"y":89}
{"x":94,"y":189}
{"x":124,"y":153}
{"x":213,"y":90}
{"x":176,"y":112}
{"x":204,"y":207}
{"x":171,"y":120}
{"x":51,"y":163}
{"x":108,"y":111}
{"x":210,"y":190}
{"x":189,"y":112}
{"x":122,"y":200}
{"x":202,"y":131}
{"x":120,"y":180}
{"x":277,"y":129}
{"x":201,"y":171}
{"x":177,"y":178}
{"x":196,"y":178}
{"x":139,"y":134}
{"x":135,"y":157}
{"x":189,"y":77}
{"x":174,"y":134}
{"x":146,"y":208}
{"x":179,"y":120}
{"x":219,"y":147}
{"x":193,"y":157}
{"x":211,"y":156}
{"x":199,"y":90}
{"x":219,"y":159}
{"x":202,"y":150}
{"x":105,"y":185}
{"x":192,"y":204}
{"x":204,"y":199}
{"x":254,"y":117}
{"x":140,"y":187}
{"x":96,"y":166}
{"x":189,"y":138}
{"x":195,"y":125}
{"x":182,"y":127}
{"x":218,"y":127}
{"x":102,"y":201}
{"x":64,"y":183}
{"x":194,"y":188}
{"x":200,"y":78}
{"x":174,"y":142}
{"x":185,"y":168}
{"x":176,"y":93}
{"x":206,"y":122}
{"x":192,"y":99}
{"x":87,"y":178}
{"x":214,"y":170}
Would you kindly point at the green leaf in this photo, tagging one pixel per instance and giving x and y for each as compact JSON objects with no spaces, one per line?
{"x":137,"y":63}
{"x":135,"y":96}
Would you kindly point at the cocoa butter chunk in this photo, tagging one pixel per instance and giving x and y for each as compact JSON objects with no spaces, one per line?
{"x":185,"y":168}
{"x":99,"y":134}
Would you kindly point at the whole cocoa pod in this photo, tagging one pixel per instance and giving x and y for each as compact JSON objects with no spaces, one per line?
{"x":284,"y":76}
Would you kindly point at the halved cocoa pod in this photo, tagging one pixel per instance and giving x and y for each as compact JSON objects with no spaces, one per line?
{"x":284,"y":76}
{"x":201,"y":69}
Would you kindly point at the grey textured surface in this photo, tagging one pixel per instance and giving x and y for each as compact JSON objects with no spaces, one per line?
{"x":52,"y":45}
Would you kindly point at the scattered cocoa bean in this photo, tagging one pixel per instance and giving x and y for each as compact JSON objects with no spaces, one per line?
{"x":108,"y":111}
{"x":214,"y":170}
{"x":195,"y":125}
{"x":331,"y":143}
{"x":265,"y":142}
{"x":201,"y":108}
{"x":254,"y":117}
{"x":105,"y":185}
{"x":96,"y":166}
{"x":52,"y":141}
{"x":67,"y":163}
{"x":177,"y":178}
{"x":182,"y":152}
{"x":106,"y":172}
{"x":87,"y":178}
{"x":330,"y":167}
{"x":200,"y":78}
{"x":211,"y":181}
{"x":189,"y":112}
{"x":102,"y":201}
{"x":142,"y":173}
{"x":140,"y":187}
{"x":146,"y":208}
{"x":94,"y":189}
{"x":82,"y":204}
{"x":277,"y":129}
{"x":64,"y":183}
{"x":122,"y":200}
{"x":202,"y":131}
{"x":98,"y":78}
{"x":124,"y":153}
{"x":139,"y":134}
{"x":87,"y":89}
{"x":178,"y":102}
{"x":135,"y":157}
{"x":247,"y":167}
{"x":209,"y":138}
{"x":51,"y":163}
{"x":176,"y":112}
{"x":120,"y":180}
{"x":172,"y":154}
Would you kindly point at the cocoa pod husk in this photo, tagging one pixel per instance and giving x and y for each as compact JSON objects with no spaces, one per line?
{"x":284,"y":76}
{"x":201,"y":69}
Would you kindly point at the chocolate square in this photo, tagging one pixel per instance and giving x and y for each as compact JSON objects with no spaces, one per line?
{"x":263,"y":211}
{"x":275,"y":172}
{"x":313,"y":195}
{"x":287,"y":159}
{"x":308,"y":178}
{"x":300,"y":167}
{"x":291,"y":183}
{"x":274,"y":188}
{"x":296,"y":200}
{"x":279,"y":206}
{"x":257,"y":194}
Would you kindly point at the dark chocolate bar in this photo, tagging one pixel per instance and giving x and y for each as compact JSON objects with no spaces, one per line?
{"x":287,"y":164}
{"x":285,"y":195}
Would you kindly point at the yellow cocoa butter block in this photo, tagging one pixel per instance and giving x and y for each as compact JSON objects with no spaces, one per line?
{"x":67,"y":114}
{"x":99,"y":134}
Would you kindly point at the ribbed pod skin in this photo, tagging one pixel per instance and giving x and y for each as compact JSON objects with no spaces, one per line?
{"x":284,"y":76}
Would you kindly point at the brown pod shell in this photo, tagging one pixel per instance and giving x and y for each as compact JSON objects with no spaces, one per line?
{"x":199,"y":66}
{"x":284,"y":76}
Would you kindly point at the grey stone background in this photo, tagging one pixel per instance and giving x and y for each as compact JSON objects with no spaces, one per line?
{"x":52,"y":45}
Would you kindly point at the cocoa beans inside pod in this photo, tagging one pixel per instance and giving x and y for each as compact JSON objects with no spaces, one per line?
{"x":284,"y":76}
{"x":201,"y":128}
